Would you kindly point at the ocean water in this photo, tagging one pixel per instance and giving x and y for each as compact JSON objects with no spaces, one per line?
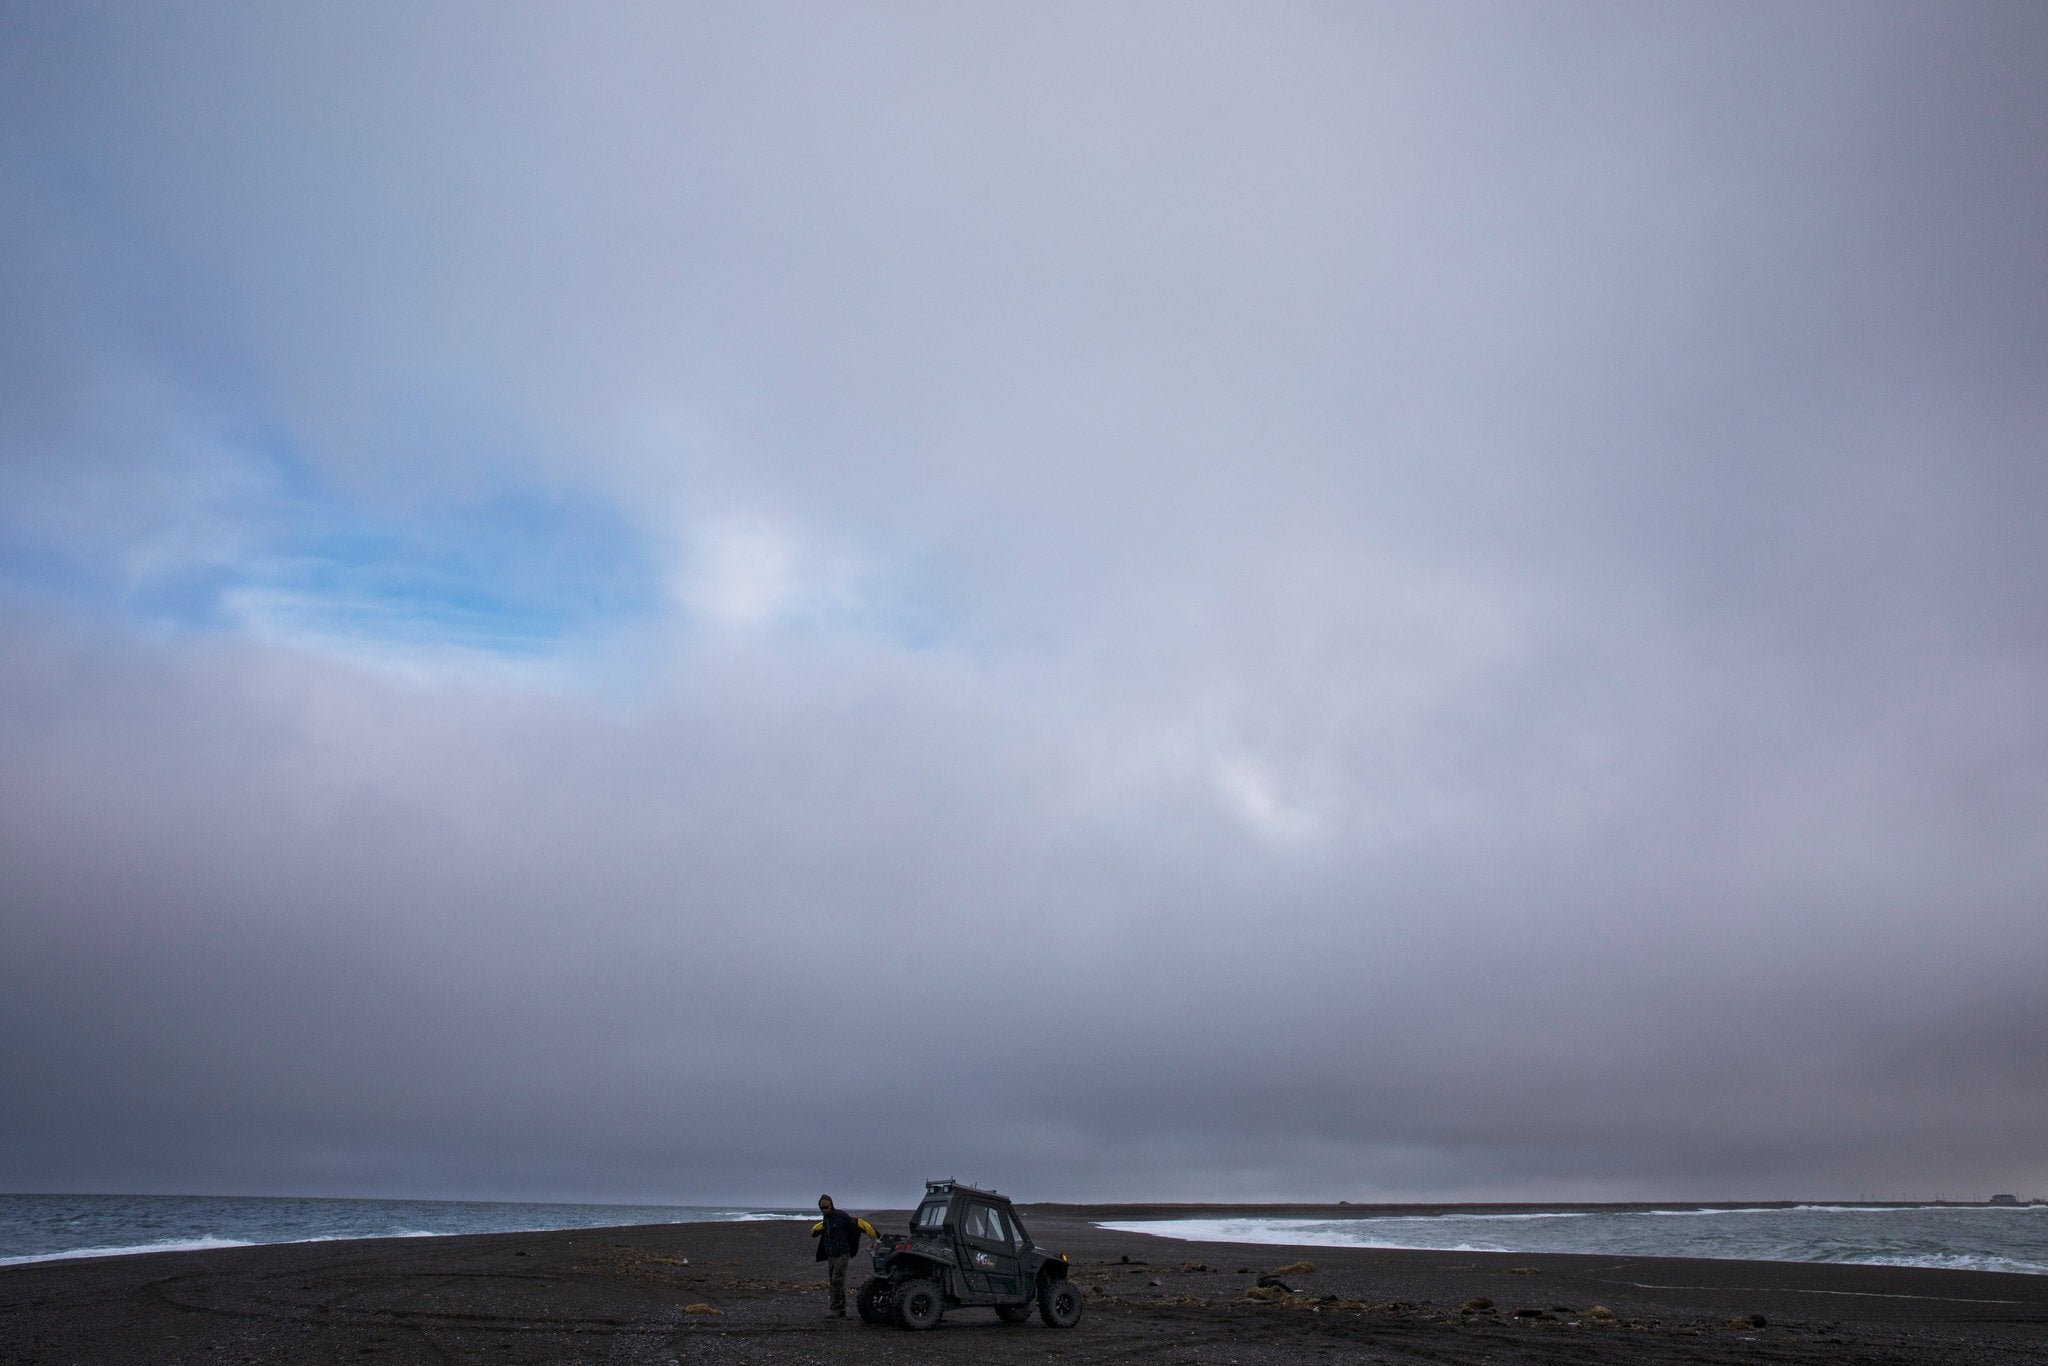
{"x":36,"y":1228}
{"x":1959,"y":1237}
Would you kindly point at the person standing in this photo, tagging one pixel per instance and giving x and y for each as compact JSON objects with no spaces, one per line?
{"x":838,"y":1234}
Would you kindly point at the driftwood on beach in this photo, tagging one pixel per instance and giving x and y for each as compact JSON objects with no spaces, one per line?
{"x":749,"y":1292}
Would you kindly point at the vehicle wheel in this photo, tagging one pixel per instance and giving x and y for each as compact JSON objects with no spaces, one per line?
{"x":1059,"y":1302}
{"x":873,"y":1301}
{"x":1013,"y":1313}
{"x":918,"y":1304}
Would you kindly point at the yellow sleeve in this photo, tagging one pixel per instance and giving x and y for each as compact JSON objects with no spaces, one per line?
{"x":817,"y":1228}
{"x":867,"y":1228}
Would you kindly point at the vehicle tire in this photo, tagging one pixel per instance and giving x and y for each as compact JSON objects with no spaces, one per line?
{"x":1013,"y":1313}
{"x":1059,"y":1302}
{"x":918,"y":1303}
{"x":873,"y":1301}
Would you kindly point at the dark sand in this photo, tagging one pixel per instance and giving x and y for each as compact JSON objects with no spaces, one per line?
{"x":627,"y":1296}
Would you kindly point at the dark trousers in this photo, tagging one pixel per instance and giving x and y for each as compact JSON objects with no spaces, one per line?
{"x":836,"y":1269}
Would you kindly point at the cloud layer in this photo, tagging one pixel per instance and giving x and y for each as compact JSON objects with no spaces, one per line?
{"x":1182,"y":602}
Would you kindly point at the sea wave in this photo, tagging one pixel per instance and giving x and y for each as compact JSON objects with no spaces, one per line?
{"x":1275,"y":1231}
{"x":1921,"y":1236}
{"x":45,"y":1227}
{"x":173,"y":1245}
{"x":1914,"y":1209}
{"x":1959,"y":1261}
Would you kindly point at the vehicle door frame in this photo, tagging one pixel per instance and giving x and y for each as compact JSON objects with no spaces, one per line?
{"x":1002,"y":1275}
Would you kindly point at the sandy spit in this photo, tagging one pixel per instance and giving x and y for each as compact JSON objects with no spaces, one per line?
{"x":750,"y":1292}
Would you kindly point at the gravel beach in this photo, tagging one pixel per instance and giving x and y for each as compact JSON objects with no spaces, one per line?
{"x":749,"y":1292}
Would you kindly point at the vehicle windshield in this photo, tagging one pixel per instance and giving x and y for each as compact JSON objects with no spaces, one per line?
{"x":930,"y":1216}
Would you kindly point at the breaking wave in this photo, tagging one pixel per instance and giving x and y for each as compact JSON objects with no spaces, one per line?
{"x":1950,"y":1237}
{"x":37,"y":1228}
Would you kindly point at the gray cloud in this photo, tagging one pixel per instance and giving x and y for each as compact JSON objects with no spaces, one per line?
{"x":1362,"y":603}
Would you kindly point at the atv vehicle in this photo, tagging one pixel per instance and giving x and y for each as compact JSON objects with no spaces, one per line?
{"x":966,"y":1247}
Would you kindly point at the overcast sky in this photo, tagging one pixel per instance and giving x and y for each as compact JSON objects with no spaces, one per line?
{"x":1184,"y":601}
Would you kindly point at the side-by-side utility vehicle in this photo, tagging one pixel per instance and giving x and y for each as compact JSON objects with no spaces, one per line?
{"x":966,"y":1247}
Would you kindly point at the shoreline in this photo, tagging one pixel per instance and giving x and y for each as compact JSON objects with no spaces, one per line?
{"x":1181,"y":1219}
{"x":1349,"y":1209}
{"x":1635,"y":1229}
{"x":1124,"y":1212}
{"x":749,"y":1291}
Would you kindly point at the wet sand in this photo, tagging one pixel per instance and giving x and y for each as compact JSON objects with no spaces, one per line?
{"x":750,"y":1292}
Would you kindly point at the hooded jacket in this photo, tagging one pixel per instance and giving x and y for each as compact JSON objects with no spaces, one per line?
{"x":838,"y":1234}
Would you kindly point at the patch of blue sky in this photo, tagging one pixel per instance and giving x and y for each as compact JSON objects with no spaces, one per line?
{"x":518,"y":572}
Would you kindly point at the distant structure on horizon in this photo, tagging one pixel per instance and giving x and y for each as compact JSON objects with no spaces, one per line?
{"x":2004,"y":1200}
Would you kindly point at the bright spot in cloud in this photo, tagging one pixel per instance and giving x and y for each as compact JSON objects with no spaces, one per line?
{"x":1253,"y":796}
{"x":741,"y":575}
{"x":748,"y":572}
